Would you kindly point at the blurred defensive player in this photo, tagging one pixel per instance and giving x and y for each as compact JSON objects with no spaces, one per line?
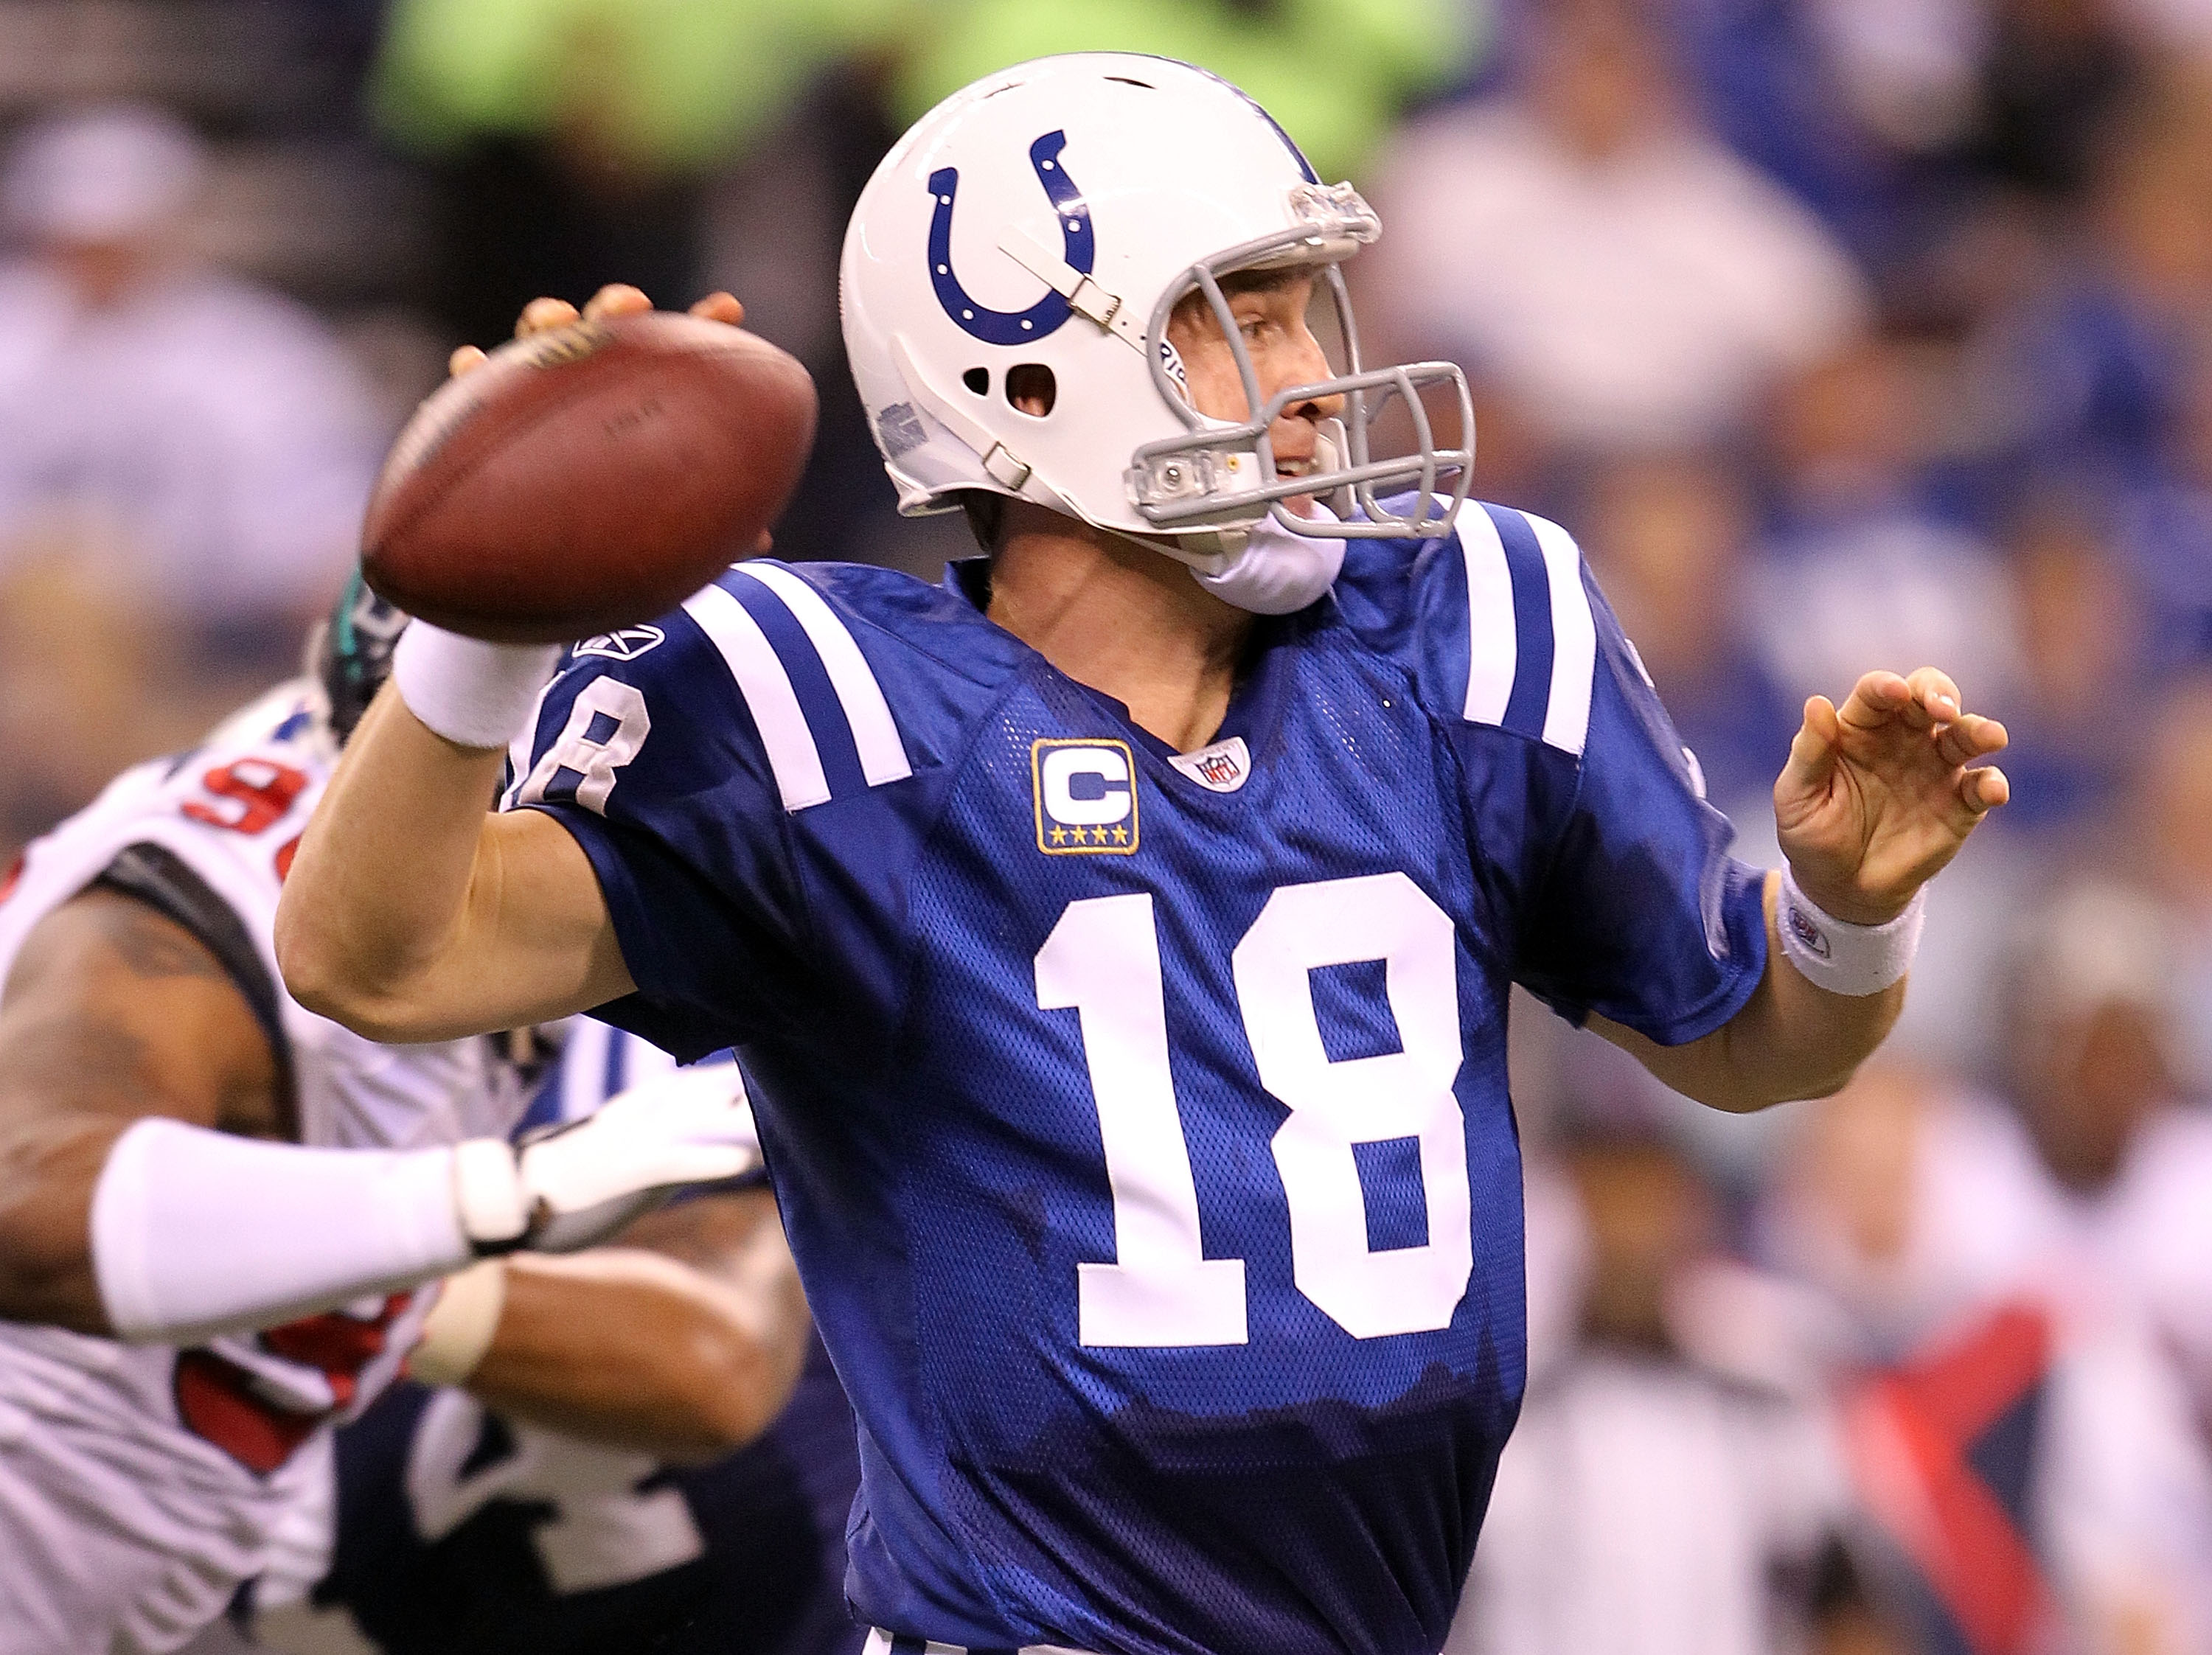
{"x":216,"y":1206}
{"x":1122,"y":933}
{"x":464,"y":1530}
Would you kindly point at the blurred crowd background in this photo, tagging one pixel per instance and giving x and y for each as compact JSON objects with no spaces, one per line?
{"x":1842,"y":332}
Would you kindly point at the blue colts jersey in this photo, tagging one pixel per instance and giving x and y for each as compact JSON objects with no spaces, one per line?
{"x":1139,"y":1118}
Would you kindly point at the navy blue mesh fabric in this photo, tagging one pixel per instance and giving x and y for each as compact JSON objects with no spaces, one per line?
{"x":1391,"y":1188}
{"x":936,"y":1143}
{"x":1351,"y":1005}
{"x":1279,"y":1455}
{"x":771,"y":1518}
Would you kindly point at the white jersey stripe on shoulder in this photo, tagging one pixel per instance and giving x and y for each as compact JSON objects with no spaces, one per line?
{"x":882,"y":755}
{"x":1574,"y":638}
{"x":519,"y":750}
{"x":768,"y":694}
{"x":1492,"y":647}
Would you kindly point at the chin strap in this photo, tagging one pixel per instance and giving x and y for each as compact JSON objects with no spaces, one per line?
{"x":1189,"y":549}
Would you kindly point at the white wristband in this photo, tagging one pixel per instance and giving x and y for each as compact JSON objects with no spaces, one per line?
{"x":1840,"y":957}
{"x":472,"y":693}
{"x":459,"y":1328}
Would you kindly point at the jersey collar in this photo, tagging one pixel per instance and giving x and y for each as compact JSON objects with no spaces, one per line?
{"x":1255,"y":704}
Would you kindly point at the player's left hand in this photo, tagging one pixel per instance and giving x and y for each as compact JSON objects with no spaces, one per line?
{"x":1877,"y":795}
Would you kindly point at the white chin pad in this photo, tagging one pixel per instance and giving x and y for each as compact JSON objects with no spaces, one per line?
{"x":1276,"y":571}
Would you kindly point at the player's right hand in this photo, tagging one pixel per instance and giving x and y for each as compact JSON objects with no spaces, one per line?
{"x":616,"y":299}
{"x":575,"y":1186}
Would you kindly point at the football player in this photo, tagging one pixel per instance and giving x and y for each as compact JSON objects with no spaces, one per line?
{"x":184,"y":1150}
{"x":463,"y":1526}
{"x":1121,"y":933}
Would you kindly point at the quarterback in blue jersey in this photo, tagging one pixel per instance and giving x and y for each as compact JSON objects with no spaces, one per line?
{"x":464,"y":1529}
{"x":1121,"y":933}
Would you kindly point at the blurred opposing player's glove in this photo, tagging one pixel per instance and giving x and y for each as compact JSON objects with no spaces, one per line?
{"x":572,"y":1186}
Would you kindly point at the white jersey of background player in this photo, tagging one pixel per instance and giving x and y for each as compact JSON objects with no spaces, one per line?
{"x":145,"y":1481}
{"x":159,"y":1442}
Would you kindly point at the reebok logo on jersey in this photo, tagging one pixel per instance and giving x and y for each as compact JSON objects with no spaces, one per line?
{"x":1221,"y":768}
{"x":1086,"y":797}
{"x":624,"y":646}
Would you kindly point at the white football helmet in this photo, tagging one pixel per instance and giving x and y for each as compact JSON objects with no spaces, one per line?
{"x":1050,"y":217}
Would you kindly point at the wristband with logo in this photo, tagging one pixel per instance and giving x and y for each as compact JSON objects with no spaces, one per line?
{"x":1834,"y":954}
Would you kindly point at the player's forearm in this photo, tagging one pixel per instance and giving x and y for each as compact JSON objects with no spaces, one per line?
{"x":1794,"y":1040}
{"x":155,"y":1231}
{"x":195,"y":1232}
{"x":191,"y":1232}
{"x":48,"y":1171}
{"x":113,"y":1012}
{"x":628,"y":1348}
{"x":378,"y":897}
{"x":1791,"y":1040}
{"x":413,"y":913}
{"x":143,"y":1249}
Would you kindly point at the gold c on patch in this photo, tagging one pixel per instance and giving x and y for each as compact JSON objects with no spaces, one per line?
{"x":1086,"y":797}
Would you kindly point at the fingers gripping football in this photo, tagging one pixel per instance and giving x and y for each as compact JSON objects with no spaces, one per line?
{"x":1878,"y":795}
{"x":616,"y":299}
{"x":575,"y":1186}
{"x":592,"y":475}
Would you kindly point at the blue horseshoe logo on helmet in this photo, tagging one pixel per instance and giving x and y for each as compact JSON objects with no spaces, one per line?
{"x":1012,"y":327}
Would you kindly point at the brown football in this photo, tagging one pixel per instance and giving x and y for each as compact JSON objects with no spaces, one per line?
{"x":587,"y":478}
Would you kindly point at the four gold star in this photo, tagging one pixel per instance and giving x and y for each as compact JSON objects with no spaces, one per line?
{"x":1117,"y":834}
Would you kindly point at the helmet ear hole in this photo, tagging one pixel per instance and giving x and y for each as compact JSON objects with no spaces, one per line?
{"x":977,"y":379}
{"x":1031,"y":389}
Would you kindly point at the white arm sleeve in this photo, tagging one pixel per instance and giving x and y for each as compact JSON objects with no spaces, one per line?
{"x":196,"y":1233}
